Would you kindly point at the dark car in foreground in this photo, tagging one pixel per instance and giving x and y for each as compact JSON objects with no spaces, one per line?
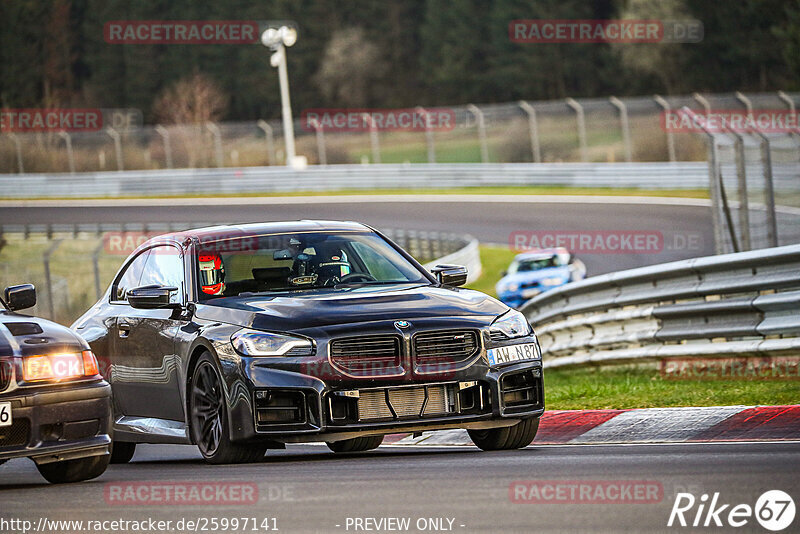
{"x":55,"y":407}
{"x":244,"y":338}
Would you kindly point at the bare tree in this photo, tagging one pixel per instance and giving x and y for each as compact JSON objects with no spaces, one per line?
{"x":350,"y":67}
{"x":193,"y":100}
{"x":190,"y":104}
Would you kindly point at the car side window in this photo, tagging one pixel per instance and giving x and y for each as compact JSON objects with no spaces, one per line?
{"x":131,"y":277}
{"x":164,"y":267}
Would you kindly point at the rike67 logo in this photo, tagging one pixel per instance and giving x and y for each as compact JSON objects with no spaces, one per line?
{"x":774,"y":510}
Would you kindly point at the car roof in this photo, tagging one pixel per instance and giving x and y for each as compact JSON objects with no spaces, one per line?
{"x":541,"y":253}
{"x":228,"y":231}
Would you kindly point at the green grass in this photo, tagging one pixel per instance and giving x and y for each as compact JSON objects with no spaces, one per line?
{"x":494,"y":260}
{"x":644,"y":388}
{"x":500,"y":190}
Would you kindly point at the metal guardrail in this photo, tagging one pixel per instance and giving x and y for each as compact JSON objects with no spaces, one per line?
{"x":676,"y":175}
{"x":735,"y":304}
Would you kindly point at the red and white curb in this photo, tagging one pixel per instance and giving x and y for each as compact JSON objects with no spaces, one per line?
{"x":649,"y":425}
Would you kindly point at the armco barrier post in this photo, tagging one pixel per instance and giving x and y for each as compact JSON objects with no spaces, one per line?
{"x":624,"y":125}
{"x":581,"y":124}
{"x":533,"y":130}
{"x":478,"y":114}
{"x":164,"y":133}
{"x":670,"y":136}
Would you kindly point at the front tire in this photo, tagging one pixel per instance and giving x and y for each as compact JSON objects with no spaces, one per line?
{"x":506,"y":438}
{"x":366,"y":443}
{"x":209,"y":418}
{"x":76,"y":470}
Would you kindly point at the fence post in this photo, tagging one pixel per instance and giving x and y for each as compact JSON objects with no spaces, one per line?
{"x":117,"y":146}
{"x":322,"y":155}
{"x":164,"y":133}
{"x":373,"y":138}
{"x":70,"y":156}
{"x":269,"y":135}
{"x":47,"y":279}
{"x":214,"y":129}
{"x":581,"y":120}
{"x":766,"y":167}
{"x":626,"y":129}
{"x":428,"y":135}
{"x":478,"y":114}
{"x":703,"y":102}
{"x":18,"y":149}
{"x":533,"y":129}
{"x":96,"y":265}
{"x":714,"y":181}
{"x":670,"y":136}
{"x":741,"y":179}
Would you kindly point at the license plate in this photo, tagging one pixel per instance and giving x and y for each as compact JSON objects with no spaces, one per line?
{"x":5,"y":414}
{"x":512,"y":353}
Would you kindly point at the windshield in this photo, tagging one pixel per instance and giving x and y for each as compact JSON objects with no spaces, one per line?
{"x":298,"y":262}
{"x":522,"y":266}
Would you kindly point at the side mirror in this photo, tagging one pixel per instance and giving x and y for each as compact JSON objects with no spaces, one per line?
{"x":450,"y":275}
{"x":151,"y":298}
{"x":504,"y":273}
{"x":20,"y":297}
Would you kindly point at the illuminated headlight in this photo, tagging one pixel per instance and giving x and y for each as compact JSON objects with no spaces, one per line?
{"x":255,"y":343}
{"x":552,"y":281}
{"x":56,"y":367}
{"x":512,"y":324}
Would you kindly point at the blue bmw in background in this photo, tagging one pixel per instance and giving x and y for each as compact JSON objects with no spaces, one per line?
{"x":537,"y":271}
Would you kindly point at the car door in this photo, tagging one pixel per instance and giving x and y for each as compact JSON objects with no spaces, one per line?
{"x":145,"y":366}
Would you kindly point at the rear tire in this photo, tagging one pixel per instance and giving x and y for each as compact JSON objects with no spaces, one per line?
{"x":74,"y":470}
{"x":122,"y":452}
{"x":506,"y":438}
{"x":209,"y":418}
{"x":366,"y":443}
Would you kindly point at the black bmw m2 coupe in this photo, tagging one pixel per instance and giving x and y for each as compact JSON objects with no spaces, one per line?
{"x":243,"y":338}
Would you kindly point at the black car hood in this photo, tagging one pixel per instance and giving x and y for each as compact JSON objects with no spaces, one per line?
{"x":302,"y":310}
{"x":21,"y":335}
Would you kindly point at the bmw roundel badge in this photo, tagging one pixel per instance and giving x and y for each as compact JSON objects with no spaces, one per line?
{"x":402,"y":324}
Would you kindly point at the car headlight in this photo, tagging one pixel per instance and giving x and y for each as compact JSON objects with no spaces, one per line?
{"x":552,"y":281}
{"x":255,"y":343}
{"x":512,"y":324}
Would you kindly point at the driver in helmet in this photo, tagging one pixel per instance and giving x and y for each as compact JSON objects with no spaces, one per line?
{"x":212,"y":274}
{"x":333,"y":266}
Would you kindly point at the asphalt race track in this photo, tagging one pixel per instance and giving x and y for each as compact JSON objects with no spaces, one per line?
{"x":490,"y":219}
{"x":306,"y":488}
